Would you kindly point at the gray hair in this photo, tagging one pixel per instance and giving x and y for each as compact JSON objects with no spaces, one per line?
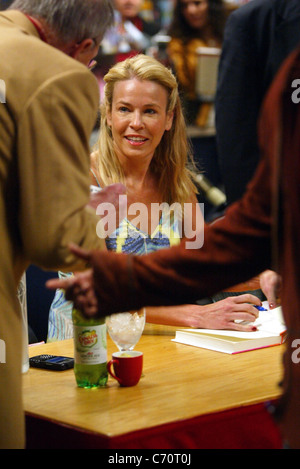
{"x":70,"y":19}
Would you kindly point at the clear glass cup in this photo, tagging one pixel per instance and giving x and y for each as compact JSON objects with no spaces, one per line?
{"x":125,"y":329}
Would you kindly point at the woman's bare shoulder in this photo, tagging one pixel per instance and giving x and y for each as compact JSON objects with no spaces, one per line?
{"x":95,"y":176}
{"x":93,"y":158}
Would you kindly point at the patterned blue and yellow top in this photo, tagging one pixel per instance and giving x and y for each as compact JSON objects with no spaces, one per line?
{"x":129,"y":239}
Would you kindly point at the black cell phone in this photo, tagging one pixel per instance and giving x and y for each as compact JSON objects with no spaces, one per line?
{"x":51,"y":362}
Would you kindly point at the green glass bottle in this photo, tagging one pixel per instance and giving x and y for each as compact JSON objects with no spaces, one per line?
{"x":90,"y":351}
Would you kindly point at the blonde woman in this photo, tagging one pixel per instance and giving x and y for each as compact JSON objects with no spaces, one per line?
{"x":143,"y":144}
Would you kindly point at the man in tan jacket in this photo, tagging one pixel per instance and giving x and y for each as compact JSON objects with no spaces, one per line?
{"x":48,"y":108}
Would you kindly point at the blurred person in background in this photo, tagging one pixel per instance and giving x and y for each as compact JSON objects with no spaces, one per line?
{"x":258,"y":37}
{"x":131,"y":32}
{"x":196,"y":23}
{"x":129,"y":35}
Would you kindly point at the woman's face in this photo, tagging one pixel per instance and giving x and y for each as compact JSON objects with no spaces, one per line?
{"x":128,"y":8}
{"x":138,"y":118}
{"x":195,"y":12}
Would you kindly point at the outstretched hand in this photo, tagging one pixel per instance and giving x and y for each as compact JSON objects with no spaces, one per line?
{"x":80,"y":288}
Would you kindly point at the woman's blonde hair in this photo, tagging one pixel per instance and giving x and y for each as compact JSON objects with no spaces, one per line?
{"x":172,"y":157}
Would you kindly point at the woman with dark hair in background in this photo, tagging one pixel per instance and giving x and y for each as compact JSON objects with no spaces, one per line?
{"x":196,"y":23}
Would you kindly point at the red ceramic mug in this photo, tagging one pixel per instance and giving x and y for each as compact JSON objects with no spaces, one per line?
{"x":128,"y":367}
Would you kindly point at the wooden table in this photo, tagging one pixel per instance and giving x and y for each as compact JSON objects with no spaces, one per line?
{"x":188,"y":398}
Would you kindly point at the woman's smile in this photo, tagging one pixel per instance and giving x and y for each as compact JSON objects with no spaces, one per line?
{"x":136,"y":140}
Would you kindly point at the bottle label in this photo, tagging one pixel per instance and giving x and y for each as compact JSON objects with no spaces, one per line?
{"x":90,"y":345}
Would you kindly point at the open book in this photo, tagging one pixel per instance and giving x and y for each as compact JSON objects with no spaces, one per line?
{"x":271,"y":330}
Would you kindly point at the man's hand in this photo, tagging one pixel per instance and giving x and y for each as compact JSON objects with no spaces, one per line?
{"x":270,"y":283}
{"x":80,"y":288}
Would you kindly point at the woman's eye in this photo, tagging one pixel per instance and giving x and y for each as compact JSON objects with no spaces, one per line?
{"x":123,"y":109}
{"x":150,"y":111}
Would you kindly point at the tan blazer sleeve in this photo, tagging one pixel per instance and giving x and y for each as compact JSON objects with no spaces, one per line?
{"x":53,"y":149}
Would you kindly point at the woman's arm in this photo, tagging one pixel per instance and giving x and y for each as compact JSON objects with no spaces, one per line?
{"x":220,"y":315}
